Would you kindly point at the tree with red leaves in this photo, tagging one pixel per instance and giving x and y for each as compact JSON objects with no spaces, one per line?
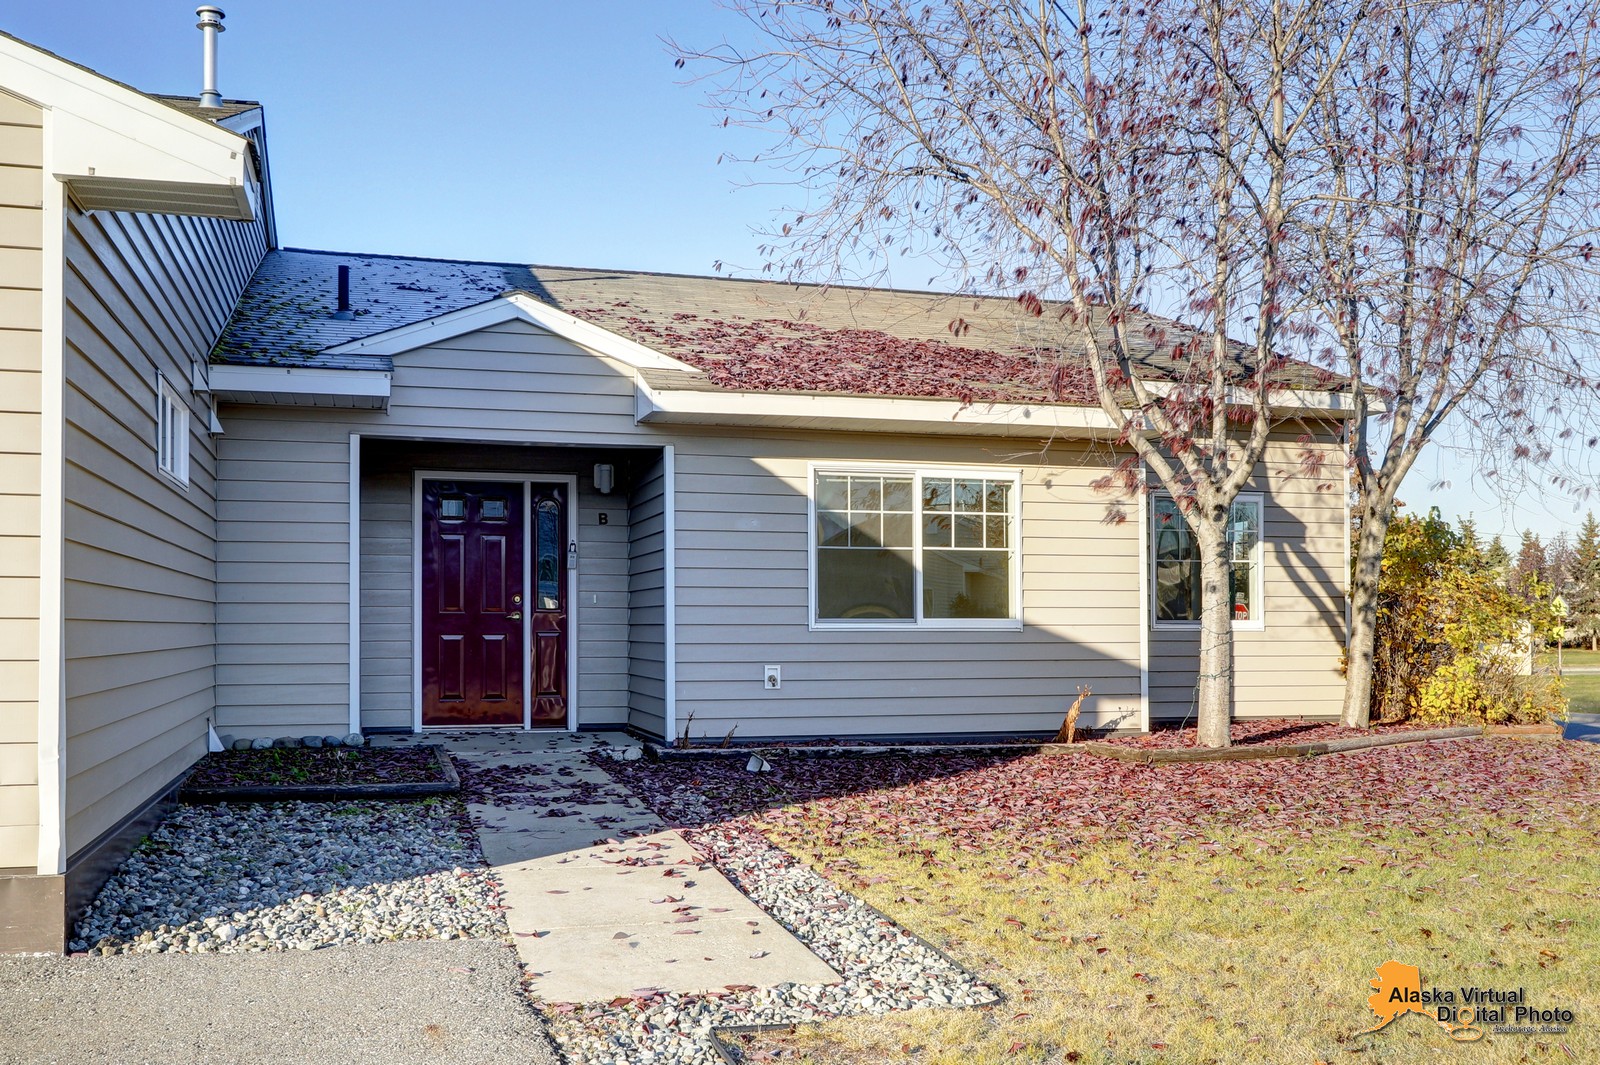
{"x":1228,"y":163}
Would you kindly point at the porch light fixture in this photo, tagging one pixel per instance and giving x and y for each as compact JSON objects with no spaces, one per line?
{"x":605,"y":478}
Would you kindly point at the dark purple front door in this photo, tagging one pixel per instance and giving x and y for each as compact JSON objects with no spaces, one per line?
{"x":473,"y":543}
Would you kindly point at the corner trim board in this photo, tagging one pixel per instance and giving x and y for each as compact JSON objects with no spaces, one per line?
{"x":52,"y":730}
{"x":1144,"y":599}
{"x":669,"y":593}
{"x":355,"y":582}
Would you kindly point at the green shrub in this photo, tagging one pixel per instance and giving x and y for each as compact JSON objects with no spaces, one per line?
{"x":1453,"y":632}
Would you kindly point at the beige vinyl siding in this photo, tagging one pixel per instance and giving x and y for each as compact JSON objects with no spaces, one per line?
{"x":647,"y":670}
{"x":512,"y":381}
{"x":1290,"y":667}
{"x":283,"y":630}
{"x":283,"y":572}
{"x":144,"y":294}
{"x":21,"y":311}
{"x":742,"y":600}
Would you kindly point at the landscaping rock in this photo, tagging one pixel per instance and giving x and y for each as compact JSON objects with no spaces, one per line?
{"x":355,"y":739}
{"x":260,"y":743}
{"x":311,"y":741}
{"x":242,"y":745}
{"x":296,"y":876}
{"x":332,"y":741}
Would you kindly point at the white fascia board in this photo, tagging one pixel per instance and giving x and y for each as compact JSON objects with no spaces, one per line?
{"x":298,"y":381}
{"x":656,"y":405}
{"x":107,"y":131}
{"x":513,"y":306}
{"x":901,"y":414}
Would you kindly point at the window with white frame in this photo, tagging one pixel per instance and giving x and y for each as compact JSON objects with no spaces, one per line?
{"x":172,"y":431}
{"x":912,"y":547}
{"x":1175,"y":558}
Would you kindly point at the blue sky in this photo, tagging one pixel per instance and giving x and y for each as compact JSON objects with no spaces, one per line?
{"x":552,"y":132}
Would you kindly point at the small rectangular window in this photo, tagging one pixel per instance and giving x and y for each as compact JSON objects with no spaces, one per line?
{"x":172,"y":431}
{"x":1175,"y":562}
{"x":912,"y":547}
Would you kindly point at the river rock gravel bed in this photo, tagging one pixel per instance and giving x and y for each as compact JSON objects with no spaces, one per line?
{"x":884,"y":967}
{"x":285,"y":876}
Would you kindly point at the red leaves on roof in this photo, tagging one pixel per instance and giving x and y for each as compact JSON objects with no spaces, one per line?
{"x":777,"y":355}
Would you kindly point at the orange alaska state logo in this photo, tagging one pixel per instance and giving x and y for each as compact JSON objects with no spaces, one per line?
{"x":1399,"y":992}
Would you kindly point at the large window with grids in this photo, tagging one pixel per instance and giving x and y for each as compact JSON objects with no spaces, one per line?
{"x":1175,"y":559}
{"x":905,"y":547}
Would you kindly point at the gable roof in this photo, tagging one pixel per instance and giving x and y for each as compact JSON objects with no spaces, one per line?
{"x":117,"y":148}
{"x":744,"y":335}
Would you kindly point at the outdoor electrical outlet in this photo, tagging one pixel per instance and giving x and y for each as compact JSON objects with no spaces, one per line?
{"x":774,"y":675}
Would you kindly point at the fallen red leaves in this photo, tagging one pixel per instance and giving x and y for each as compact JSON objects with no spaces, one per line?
{"x":777,"y":355}
{"x":1026,"y":808}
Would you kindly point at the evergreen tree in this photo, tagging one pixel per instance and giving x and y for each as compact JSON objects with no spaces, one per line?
{"x":1498,"y":557}
{"x":1530,"y":566}
{"x":1583,"y":584}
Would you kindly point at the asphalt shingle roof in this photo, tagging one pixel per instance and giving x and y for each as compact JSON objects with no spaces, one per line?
{"x":754,"y":335}
{"x":190,"y":105}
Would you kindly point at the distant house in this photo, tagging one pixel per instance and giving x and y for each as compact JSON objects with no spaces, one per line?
{"x":284,"y":492}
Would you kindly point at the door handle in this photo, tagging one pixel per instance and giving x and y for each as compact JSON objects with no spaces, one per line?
{"x":514,"y":617}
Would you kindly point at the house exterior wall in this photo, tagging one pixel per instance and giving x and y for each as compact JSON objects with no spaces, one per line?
{"x":647,"y":602}
{"x":21,"y":311}
{"x":144,"y":295}
{"x":740,"y":562}
{"x":743,"y":602}
{"x":1292,"y":665}
{"x":283,"y":630}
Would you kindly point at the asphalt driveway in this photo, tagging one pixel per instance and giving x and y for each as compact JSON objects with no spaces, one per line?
{"x":433,"y":1002}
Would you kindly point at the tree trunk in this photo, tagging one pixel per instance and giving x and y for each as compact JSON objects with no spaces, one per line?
{"x":1214,"y":698}
{"x":1364,"y":616}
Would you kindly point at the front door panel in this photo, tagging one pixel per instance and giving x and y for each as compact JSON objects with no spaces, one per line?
{"x":473,"y":539}
{"x":549,"y":605}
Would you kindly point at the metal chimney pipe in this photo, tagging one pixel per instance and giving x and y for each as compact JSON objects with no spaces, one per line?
{"x":210,"y":25}
{"x":344,"y":313}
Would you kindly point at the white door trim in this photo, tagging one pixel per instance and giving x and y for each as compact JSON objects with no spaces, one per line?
{"x":525,"y":479}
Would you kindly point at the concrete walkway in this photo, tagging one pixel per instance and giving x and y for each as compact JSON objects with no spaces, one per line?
{"x":1582,"y":727}
{"x":603,"y":900}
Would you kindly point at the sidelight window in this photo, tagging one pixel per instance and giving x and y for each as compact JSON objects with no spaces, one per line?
{"x":914,"y":548}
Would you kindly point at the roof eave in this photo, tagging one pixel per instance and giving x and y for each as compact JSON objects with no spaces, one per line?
{"x":118,"y":149}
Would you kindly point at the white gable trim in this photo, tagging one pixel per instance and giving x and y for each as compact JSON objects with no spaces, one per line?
{"x":122,"y":144}
{"x":513,"y":306}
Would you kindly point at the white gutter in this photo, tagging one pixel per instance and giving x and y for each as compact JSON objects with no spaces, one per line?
{"x":658,"y":405}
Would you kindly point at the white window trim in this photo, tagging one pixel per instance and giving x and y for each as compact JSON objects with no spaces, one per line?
{"x":168,"y":399}
{"x":1257,"y":565}
{"x":919,"y":623}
